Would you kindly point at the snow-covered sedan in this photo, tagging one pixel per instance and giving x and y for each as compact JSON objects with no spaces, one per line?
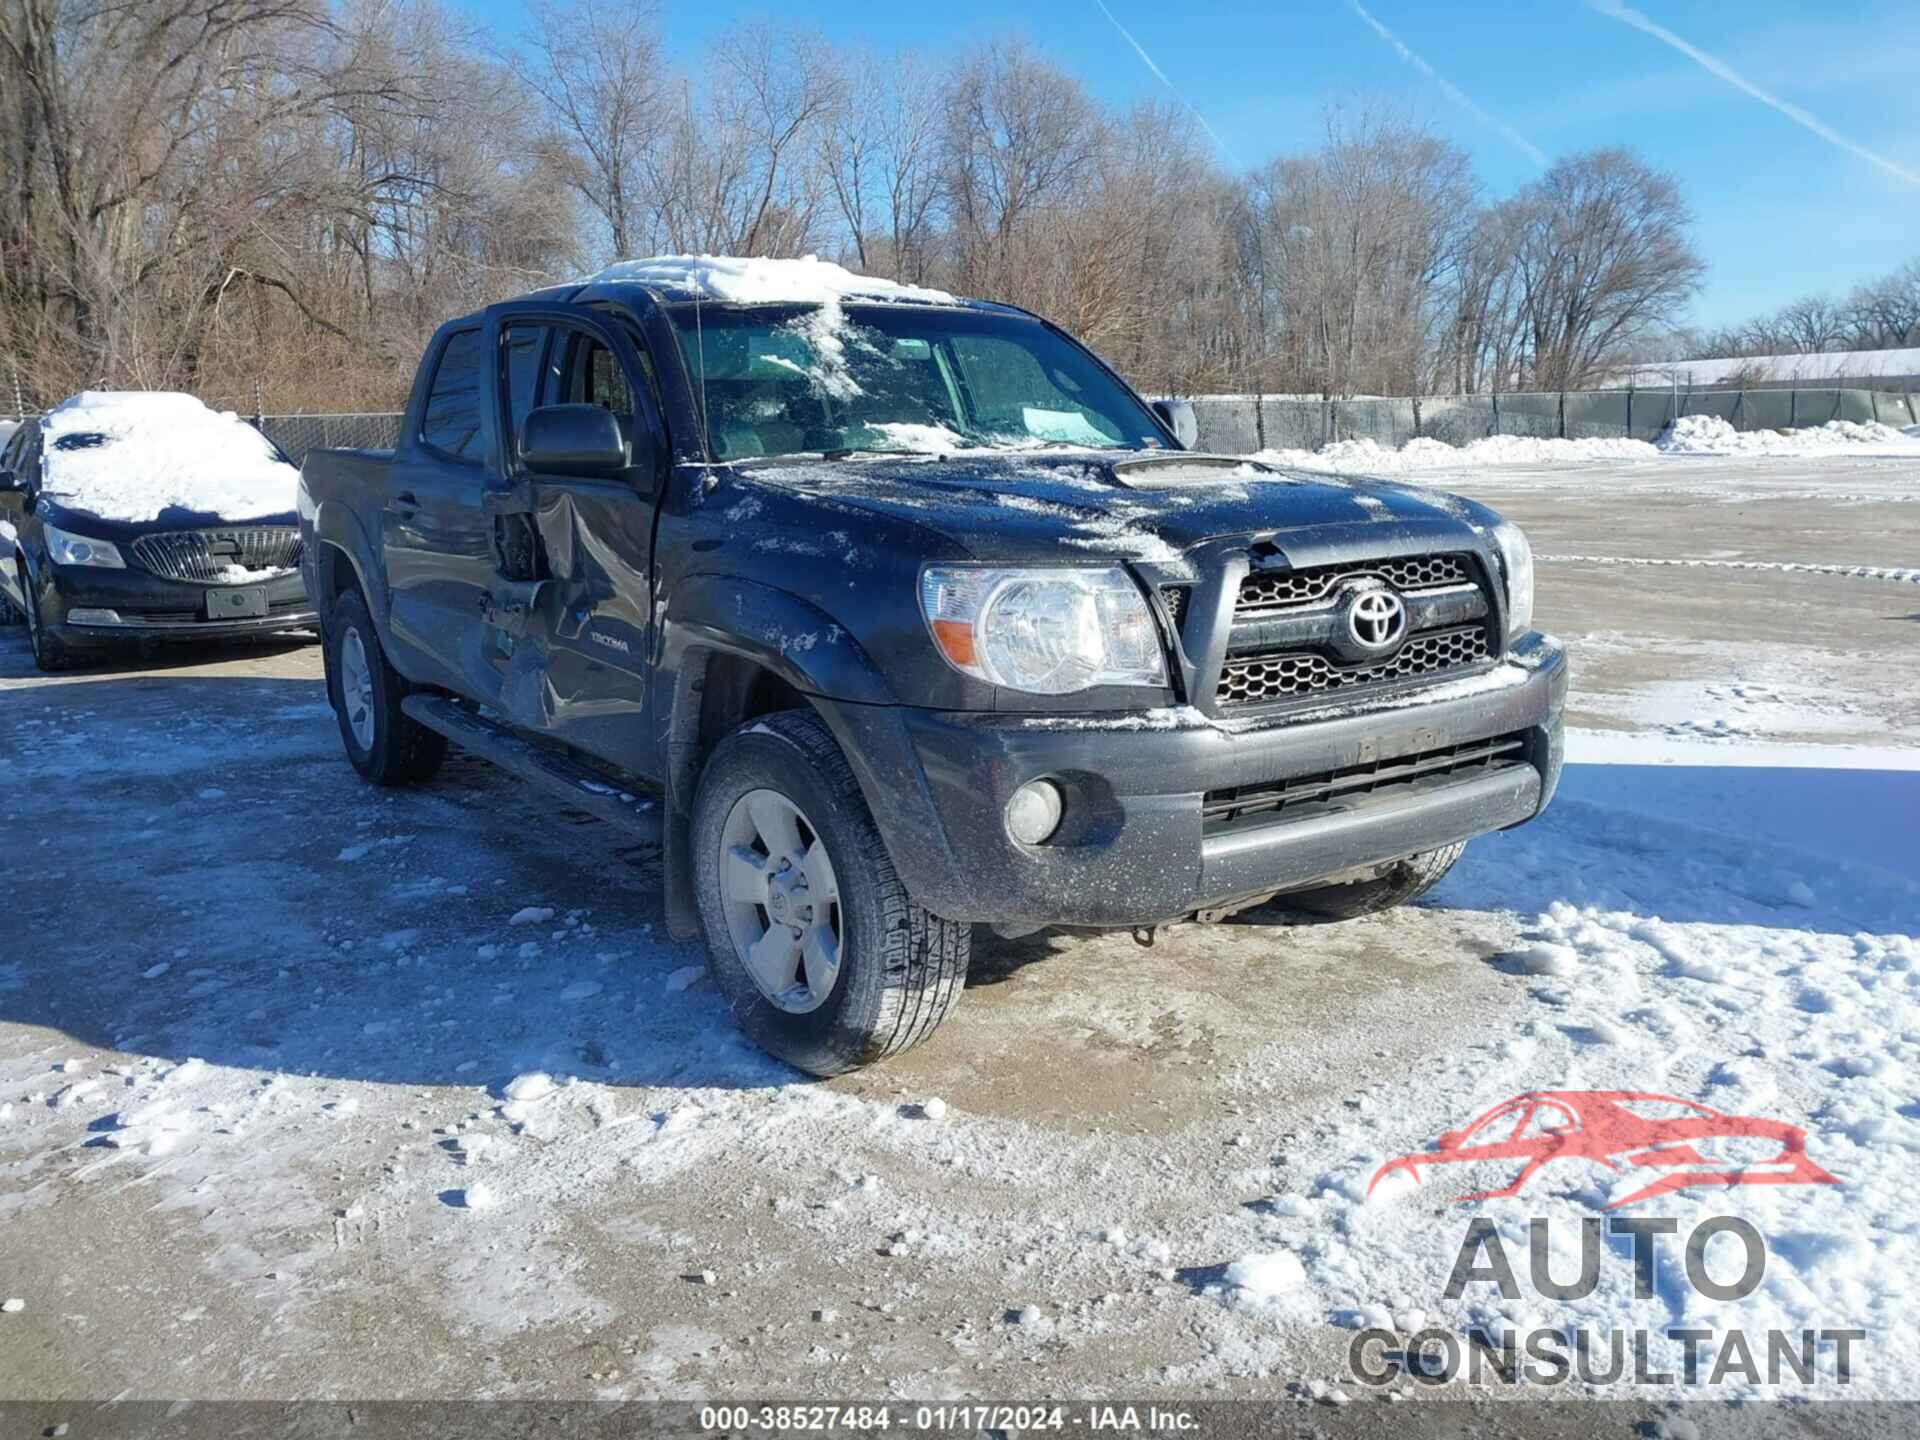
{"x":136,"y":515}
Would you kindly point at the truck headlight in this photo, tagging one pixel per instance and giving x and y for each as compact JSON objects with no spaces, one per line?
{"x":1045,"y":631}
{"x":68,"y":549}
{"x":1516,"y":558}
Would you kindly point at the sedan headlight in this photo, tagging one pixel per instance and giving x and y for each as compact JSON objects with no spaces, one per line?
{"x":80,"y":550}
{"x":1045,"y":631}
{"x":1516,"y":558}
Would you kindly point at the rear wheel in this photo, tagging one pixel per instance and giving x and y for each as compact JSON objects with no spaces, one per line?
{"x":1396,"y":884}
{"x":383,"y":743}
{"x":824,"y":958}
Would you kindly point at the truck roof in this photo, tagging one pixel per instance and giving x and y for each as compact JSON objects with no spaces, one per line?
{"x":732,"y":280}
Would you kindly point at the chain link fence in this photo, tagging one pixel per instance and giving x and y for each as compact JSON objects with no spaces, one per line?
{"x":297,"y":434}
{"x":1242,"y":424}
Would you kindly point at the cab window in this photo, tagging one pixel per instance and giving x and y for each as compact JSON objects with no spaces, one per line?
{"x":450,"y":423}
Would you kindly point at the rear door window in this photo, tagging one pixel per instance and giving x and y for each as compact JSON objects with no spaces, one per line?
{"x":451,"y":423}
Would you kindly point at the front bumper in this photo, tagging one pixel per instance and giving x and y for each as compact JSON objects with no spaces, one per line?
{"x":85,"y":604}
{"x":1137,"y":846}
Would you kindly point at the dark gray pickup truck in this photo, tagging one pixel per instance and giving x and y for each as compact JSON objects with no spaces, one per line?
{"x":887,"y":615}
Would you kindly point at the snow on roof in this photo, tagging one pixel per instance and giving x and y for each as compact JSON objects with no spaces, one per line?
{"x":1838,"y":367}
{"x":132,"y":455}
{"x":806,"y":281}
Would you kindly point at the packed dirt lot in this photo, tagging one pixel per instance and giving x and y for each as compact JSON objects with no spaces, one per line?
{"x":311,"y":1090}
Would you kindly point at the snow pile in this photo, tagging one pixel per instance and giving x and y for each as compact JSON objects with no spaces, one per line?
{"x":1690,"y":435}
{"x":1369,"y":457}
{"x":134,"y":455}
{"x":1710,"y":435}
{"x":806,"y":281}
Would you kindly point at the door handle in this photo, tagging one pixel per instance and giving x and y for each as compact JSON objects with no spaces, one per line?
{"x":405,"y":504}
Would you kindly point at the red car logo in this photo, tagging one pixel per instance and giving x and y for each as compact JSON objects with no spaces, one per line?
{"x":1618,"y":1128}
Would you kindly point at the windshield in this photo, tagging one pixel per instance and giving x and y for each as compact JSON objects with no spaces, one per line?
{"x":794,"y":380}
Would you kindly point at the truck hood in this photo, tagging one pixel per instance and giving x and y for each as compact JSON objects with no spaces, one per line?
{"x":1123,"y":504}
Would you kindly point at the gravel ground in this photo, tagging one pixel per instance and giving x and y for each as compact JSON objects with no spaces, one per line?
{"x":346,"y":1198}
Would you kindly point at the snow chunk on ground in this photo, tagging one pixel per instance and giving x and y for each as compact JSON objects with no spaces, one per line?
{"x":535,"y":1086}
{"x":134,"y":455}
{"x":1262,"y":1277}
{"x":531,"y":915}
{"x":806,"y":281}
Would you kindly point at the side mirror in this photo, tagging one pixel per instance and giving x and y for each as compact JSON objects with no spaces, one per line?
{"x":573,"y":440}
{"x":1181,"y":419}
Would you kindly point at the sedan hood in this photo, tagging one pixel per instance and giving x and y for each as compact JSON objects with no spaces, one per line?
{"x":1121,"y":505}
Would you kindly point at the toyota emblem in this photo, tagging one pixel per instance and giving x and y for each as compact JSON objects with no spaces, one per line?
{"x":1376,"y":619}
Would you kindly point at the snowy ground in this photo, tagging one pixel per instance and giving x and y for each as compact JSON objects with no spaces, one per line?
{"x":290,"y":1068}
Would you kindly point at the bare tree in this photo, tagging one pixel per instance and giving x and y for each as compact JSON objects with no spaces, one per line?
{"x":1603,"y":254}
{"x":596,"y":67}
{"x":1020,"y":138}
{"x":878,"y":153}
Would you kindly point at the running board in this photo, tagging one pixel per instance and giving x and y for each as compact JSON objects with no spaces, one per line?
{"x":580,"y":786}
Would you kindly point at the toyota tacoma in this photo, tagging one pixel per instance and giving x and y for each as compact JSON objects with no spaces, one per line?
{"x":887,"y":614}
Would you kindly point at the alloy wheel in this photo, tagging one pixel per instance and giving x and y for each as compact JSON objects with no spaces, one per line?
{"x":782,"y":900}
{"x":356,"y":688}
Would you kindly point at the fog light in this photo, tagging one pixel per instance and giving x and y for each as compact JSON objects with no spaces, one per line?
{"x":93,"y":617}
{"x":1034,"y":812}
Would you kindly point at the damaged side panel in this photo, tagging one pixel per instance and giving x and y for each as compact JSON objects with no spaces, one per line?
{"x":567,"y":615}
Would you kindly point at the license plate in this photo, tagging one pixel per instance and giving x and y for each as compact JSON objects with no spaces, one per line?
{"x":247,"y":604}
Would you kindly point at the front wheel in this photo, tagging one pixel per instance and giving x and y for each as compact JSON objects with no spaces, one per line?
{"x":824,"y":958}
{"x":383,"y":743}
{"x":1394,"y":885}
{"x":50,"y":653}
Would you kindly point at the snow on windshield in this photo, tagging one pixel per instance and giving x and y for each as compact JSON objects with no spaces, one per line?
{"x":806,"y":281}
{"x":133,"y":455}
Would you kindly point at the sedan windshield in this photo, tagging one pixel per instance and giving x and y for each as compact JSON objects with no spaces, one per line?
{"x":796,"y":380}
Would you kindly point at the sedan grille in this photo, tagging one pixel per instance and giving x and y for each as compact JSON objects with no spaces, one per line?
{"x":1280,"y":677}
{"x":213,"y":557}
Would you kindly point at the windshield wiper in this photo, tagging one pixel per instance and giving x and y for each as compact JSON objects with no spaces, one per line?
{"x":842,"y":452}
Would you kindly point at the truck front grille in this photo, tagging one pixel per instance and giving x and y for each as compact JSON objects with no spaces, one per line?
{"x":1224,"y":807}
{"x":1266,"y":591}
{"x":1302,"y":672}
{"x":209,"y":557}
{"x":1291,"y":634}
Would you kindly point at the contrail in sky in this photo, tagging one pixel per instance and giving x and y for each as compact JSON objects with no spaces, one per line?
{"x":1627,"y":15}
{"x":1161,"y":76}
{"x":1452,"y":91}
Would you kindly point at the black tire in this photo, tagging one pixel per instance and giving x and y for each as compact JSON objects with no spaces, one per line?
{"x":50,"y":653}
{"x":399,"y":750}
{"x":902,"y":968}
{"x":1398,"y":883}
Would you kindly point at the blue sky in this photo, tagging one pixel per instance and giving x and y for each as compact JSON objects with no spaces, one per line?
{"x":1781,"y":211}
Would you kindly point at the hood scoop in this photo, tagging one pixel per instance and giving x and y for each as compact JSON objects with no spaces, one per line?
{"x":1176,"y":472}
